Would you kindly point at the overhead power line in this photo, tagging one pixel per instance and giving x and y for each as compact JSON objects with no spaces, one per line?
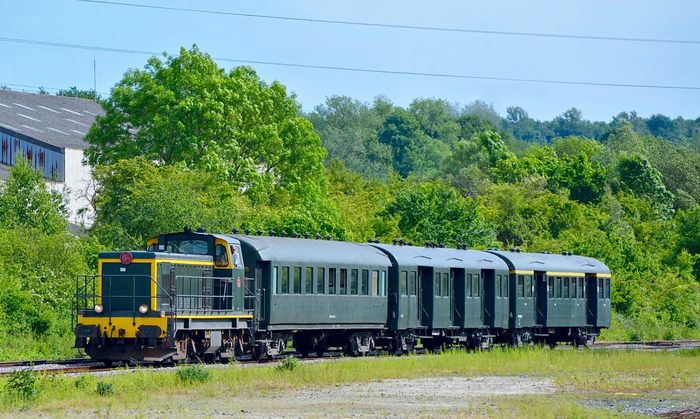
{"x":358,"y":69}
{"x":399,"y":26}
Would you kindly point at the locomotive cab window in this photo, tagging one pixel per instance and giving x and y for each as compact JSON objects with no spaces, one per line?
{"x":221,"y":256}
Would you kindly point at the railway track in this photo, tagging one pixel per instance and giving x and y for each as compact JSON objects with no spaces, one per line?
{"x":86,"y":365}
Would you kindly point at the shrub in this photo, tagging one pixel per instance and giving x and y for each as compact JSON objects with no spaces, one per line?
{"x":22,"y":385}
{"x":288,"y":364}
{"x":104,"y":389}
{"x":193,"y":374}
{"x":81,"y":382}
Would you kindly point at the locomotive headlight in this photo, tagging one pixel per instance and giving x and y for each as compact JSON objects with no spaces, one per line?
{"x":143,"y":309}
{"x":98,"y":308}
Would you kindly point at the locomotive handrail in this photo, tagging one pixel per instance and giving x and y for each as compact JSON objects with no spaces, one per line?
{"x":82,"y":294}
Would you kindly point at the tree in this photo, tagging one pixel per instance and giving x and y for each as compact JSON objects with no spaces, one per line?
{"x":434,"y":211}
{"x":348,"y":129}
{"x":186,"y":109}
{"x":638,"y":176}
{"x":25,"y":201}
{"x":413,"y":152}
{"x":84,"y":94}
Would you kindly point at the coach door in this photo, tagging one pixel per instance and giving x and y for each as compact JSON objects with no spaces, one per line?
{"x":540,"y":298}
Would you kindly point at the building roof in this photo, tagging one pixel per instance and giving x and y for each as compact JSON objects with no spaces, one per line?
{"x":549,"y":262}
{"x":314,"y":252}
{"x":442,"y":257}
{"x":56,"y":120}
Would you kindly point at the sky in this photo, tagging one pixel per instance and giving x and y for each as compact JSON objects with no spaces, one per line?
{"x":75,"y":22}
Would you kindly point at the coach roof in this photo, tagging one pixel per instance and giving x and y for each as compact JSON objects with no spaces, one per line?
{"x":442,"y":257}
{"x":550,"y":262}
{"x":316,"y":252}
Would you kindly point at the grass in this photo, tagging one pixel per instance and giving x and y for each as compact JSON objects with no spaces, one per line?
{"x":601,"y":372}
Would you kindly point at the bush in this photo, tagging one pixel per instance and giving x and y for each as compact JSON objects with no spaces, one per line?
{"x":193,"y":374}
{"x":22,"y":385}
{"x":288,"y":364}
{"x":104,"y":389}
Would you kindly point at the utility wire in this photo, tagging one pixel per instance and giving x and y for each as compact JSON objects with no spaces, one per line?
{"x":398,"y":26}
{"x":358,"y":69}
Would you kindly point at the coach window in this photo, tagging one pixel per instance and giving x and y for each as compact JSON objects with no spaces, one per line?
{"x":297,"y":280}
{"x":497,"y":286}
{"x":550,"y":287}
{"x":331,"y":280}
{"x":309,"y":281}
{"x":600,"y":289}
{"x":468,"y":286}
{"x":284,"y":281}
{"x":574,"y":288}
{"x":506,"y":287}
{"x":375,"y":284}
{"x":354,"y":281}
{"x":476,"y":286}
{"x":582,"y":286}
{"x":320,"y":280}
{"x":221,"y":258}
{"x":566,"y":287}
{"x":445,"y":284}
{"x":365,"y":282}
{"x":382,"y":284}
{"x":275,"y":280}
{"x":607,"y":288}
{"x":529,"y":286}
{"x":343,"y":288}
{"x":412,"y":283}
{"x":403,"y":283}
{"x":521,"y":285}
{"x":559,"y":286}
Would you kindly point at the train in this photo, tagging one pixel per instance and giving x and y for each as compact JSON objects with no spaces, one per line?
{"x":198,"y":296}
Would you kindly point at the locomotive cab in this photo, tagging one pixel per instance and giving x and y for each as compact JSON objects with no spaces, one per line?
{"x":181,"y":298}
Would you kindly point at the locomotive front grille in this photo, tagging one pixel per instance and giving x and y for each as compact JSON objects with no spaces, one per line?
{"x":125,"y":287}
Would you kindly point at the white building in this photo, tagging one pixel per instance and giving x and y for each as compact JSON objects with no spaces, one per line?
{"x":50,"y":132}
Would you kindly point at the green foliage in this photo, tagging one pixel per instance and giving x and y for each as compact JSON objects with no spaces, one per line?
{"x":434,"y":211}
{"x":75,"y":92}
{"x":289,"y":363}
{"x":638,"y":176}
{"x":22,"y":385}
{"x":193,"y":374}
{"x":26,"y":202}
{"x":186,"y":109}
{"x":104,"y":389}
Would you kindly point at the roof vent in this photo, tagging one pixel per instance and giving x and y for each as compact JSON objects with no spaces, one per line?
{"x":283,"y":233}
{"x":272,"y":233}
{"x":187,"y":229}
{"x":295,"y":234}
{"x":317,"y":236}
{"x":394,"y":241}
{"x":307,"y":235}
{"x":247,"y":232}
{"x":409,"y":244}
{"x":401,"y":242}
{"x":259,"y":232}
{"x":201,"y":230}
{"x":234,"y":230}
{"x":328,"y":237}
